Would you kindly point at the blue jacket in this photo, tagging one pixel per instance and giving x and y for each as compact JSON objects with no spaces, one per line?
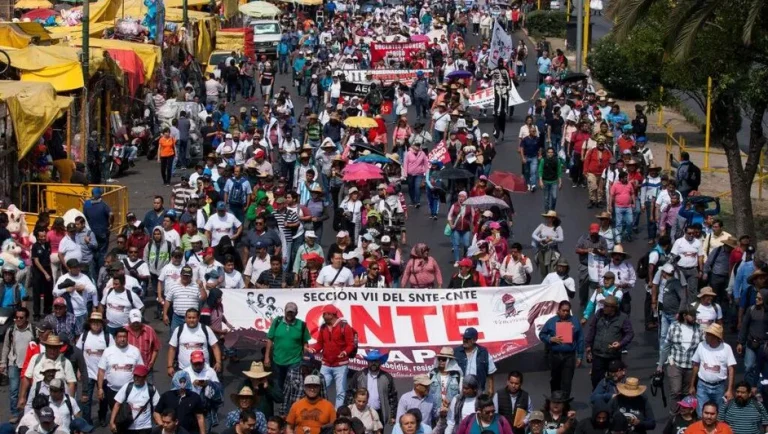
{"x":604,"y":391}
{"x":740,"y":280}
{"x":482,"y":363}
{"x":548,"y":331}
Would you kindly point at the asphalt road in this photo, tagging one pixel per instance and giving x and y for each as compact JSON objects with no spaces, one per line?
{"x":144,"y":182}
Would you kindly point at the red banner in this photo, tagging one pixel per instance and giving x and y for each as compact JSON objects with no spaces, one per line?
{"x":399,"y":51}
{"x":440,"y":153}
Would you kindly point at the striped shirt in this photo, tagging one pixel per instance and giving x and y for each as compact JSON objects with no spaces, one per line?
{"x":145,"y":340}
{"x":749,"y":419}
{"x":285,"y":217}
{"x":183,"y":297}
{"x":181,"y":196}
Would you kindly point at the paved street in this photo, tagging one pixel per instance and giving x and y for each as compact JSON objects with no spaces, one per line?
{"x":144,"y":182}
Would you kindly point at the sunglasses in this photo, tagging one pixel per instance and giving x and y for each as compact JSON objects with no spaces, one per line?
{"x":20,"y":317}
{"x":375,"y":268}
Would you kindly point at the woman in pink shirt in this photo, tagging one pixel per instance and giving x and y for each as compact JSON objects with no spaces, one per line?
{"x":400,"y":136}
{"x":415,"y":167}
{"x":422,"y":270}
{"x":622,"y":199}
{"x":55,"y":235}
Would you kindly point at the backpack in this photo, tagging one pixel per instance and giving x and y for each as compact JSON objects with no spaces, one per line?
{"x":355,"y":339}
{"x":374,"y":98}
{"x":237,"y":194}
{"x":178,"y":341}
{"x":124,"y":418}
{"x":39,"y":385}
{"x":642,"y":263}
{"x":128,"y":292}
{"x":693,"y":177}
{"x":135,"y":267}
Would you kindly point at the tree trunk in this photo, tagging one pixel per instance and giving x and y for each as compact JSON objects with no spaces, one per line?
{"x":726,"y":125}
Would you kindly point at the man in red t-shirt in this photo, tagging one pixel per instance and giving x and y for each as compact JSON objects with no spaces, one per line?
{"x":622,"y":199}
{"x":595,"y":162}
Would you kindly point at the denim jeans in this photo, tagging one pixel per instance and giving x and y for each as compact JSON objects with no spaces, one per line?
{"x":422,"y":107}
{"x":183,"y":153}
{"x":750,"y":359}
{"x":636,"y":214}
{"x":282,"y":65}
{"x":80,"y":323}
{"x":460,"y":239}
{"x":652,"y":226}
{"x":550,"y":196}
{"x":666,"y":321}
{"x":533,"y":169}
{"x":414,"y":188}
{"x":624,"y":222}
{"x":437,"y":136}
{"x":708,"y":392}
{"x":86,"y":407}
{"x":176,"y":321}
{"x":434,"y":202}
{"x":14,"y":381}
{"x":338,"y":375}
{"x":557,"y":139}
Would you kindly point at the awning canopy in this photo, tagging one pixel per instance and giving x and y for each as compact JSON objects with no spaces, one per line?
{"x":259,"y":9}
{"x":33,"y":108}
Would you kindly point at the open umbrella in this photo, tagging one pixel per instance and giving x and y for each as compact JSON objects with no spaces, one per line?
{"x":373,"y":158}
{"x":39,"y":14}
{"x":259,"y":9}
{"x":33,"y":4}
{"x":573,"y":76}
{"x":362,"y":175}
{"x":360,"y":122}
{"x":459,"y":74}
{"x":362,"y":146}
{"x":509,"y":181}
{"x":360,"y":167}
{"x":454,"y":173}
{"x":485,"y":202}
{"x":419,"y":38}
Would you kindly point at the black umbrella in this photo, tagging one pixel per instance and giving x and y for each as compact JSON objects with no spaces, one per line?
{"x":573,"y":76}
{"x":454,"y":173}
{"x":362,"y":146}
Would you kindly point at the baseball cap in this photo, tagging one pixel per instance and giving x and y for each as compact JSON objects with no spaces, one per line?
{"x":594,"y":228}
{"x":536,"y":415}
{"x":209,"y":252}
{"x":56,"y":383}
{"x":291,"y":307}
{"x":329,"y":308}
{"x":386,"y":239}
{"x":312,"y":380}
{"x":422,"y":379}
{"x":221,"y":206}
{"x":310,"y":234}
{"x":470,"y":333}
{"x":59,"y":301}
{"x":46,"y":415}
{"x":197,"y":357}
{"x":668,"y":268}
{"x":688,"y":402}
{"x":134,"y":316}
{"x":186,"y":270}
{"x":141,"y":371}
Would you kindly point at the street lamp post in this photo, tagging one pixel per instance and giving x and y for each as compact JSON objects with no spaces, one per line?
{"x":579,"y":32}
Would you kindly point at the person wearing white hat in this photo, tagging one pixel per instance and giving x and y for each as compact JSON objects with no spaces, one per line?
{"x":310,"y":246}
{"x":624,"y":274}
{"x":715,"y":381}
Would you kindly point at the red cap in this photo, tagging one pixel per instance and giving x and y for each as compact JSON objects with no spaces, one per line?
{"x":141,"y":371}
{"x":59,"y":301}
{"x":208,"y":252}
{"x":594,"y":228}
{"x":259,"y":153}
{"x":466,"y":262}
{"x":329,"y":308}
{"x":197,"y":357}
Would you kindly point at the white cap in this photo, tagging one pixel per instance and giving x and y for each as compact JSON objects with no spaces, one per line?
{"x":342,"y":234}
{"x":228,"y":136}
{"x":222,"y":165}
{"x":486,"y":135}
{"x":373,"y":247}
{"x":196,"y":239}
{"x":310,"y":234}
{"x":351,"y":255}
{"x":668,"y":268}
{"x":385,"y":239}
{"x":134,"y":316}
{"x":312,"y":380}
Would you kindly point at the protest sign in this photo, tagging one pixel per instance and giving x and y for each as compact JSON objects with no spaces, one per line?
{"x":440,"y":153}
{"x":501,"y":45}
{"x":386,"y":76}
{"x":411,"y":324}
{"x":397,"y":51}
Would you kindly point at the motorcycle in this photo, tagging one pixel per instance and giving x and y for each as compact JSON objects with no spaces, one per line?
{"x":118,"y":161}
{"x":141,"y":138}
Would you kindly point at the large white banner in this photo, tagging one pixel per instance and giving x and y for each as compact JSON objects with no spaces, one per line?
{"x":411,"y":324}
{"x":501,"y":45}
{"x":485,"y":98}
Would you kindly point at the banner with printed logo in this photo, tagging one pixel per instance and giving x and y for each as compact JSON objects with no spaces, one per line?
{"x":501,"y":45}
{"x":410,"y":324}
{"x":485,"y":97}
{"x":397,"y":51}
{"x":440,"y":153}
{"x":385,"y":76}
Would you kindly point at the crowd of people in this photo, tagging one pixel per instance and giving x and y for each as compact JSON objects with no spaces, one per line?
{"x":275,"y":179}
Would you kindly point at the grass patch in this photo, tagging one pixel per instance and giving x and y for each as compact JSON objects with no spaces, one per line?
{"x":726,"y":214}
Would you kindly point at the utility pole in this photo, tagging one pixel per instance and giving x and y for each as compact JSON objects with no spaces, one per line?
{"x":579,"y":32}
{"x":185,"y":16}
{"x":86,"y":55}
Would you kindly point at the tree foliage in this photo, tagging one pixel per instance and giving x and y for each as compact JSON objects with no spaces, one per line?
{"x":546,"y":23}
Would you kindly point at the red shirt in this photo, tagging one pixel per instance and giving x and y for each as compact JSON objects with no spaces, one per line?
{"x":622,"y":194}
{"x":595,"y":161}
{"x":146,"y":341}
{"x":625,"y":143}
{"x":332,"y":340}
{"x":636,"y":179}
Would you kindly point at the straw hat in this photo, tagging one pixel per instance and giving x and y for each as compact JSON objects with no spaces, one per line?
{"x":96,"y":316}
{"x":446,"y":352}
{"x":245,"y":392}
{"x":604,"y":215}
{"x":707,"y":290}
{"x":715,"y":330}
{"x":618,"y":249}
{"x":631,"y":387}
{"x":757,"y":273}
{"x":53,"y":341}
{"x":257,"y":371}
{"x":550,"y":213}
{"x":731,"y":242}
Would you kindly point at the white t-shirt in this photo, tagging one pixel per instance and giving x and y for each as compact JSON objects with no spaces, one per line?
{"x":79,"y":299}
{"x":686,"y":339}
{"x":525,"y":131}
{"x":441,"y":120}
{"x":137,"y":399}
{"x":117,"y":305}
{"x":170,"y":273}
{"x":328,"y":277}
{"x":706,"y":315}
{"x":207,"y":374}
{"x":233,"y":280}
{"x":70,"y":249}
{"x":203,"y":269}
{"x":713,"y":362}
{"x":172,"y":237}
{"x":689,"y":252}
{"x":255,"y":266}
{"x":220,"y":226}
{"x":62,"y":416}
{"x":191,"y":340}
{"x":142,"y":269}
{"x":63,"y":366}
{"x":93,"y":348}
{"x":118,"y":364}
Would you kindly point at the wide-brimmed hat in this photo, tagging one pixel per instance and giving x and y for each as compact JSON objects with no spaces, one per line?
{"x":446,"y":352}
{"x":618,"y":249}
{"x":245,"y":392}
{"x":707,"y":290}
{"x":257,"y":371}
{"x":96,"y":316}
{"x":604,"y":215}
{"x":715,"y":330}
{"x":558,"y":396}
{"x":631,"y":387}
{"x":53,"y":341}
{"x":757,"y":273}
{"x":376,"y":356}
{"x":731,"y":242}
{"x":550,"y":213}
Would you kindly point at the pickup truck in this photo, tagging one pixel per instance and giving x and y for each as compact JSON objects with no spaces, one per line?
{"x":266,"y":36}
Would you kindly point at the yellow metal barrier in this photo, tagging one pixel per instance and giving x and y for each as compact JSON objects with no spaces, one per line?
{"x":57,"y":199}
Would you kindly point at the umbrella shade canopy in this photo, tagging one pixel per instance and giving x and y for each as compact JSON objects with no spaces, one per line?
{"x":39,"y":14}
{"x":360,"y":122}
{"x":361,"y":167}
{"x":419,"y":38}
{"x":508,"y":181}
{"x":459,"y":74}
{"x":259,"y":9}
{"x":573,"y":76}
{"x":304,"y":2}
{"x":362,"y":175}
{"x":33,"y":4}
{"x":362,"y":146}
{"x":485,"y":202}
{"x":454,"y":173}
{"x":372,"y":158}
